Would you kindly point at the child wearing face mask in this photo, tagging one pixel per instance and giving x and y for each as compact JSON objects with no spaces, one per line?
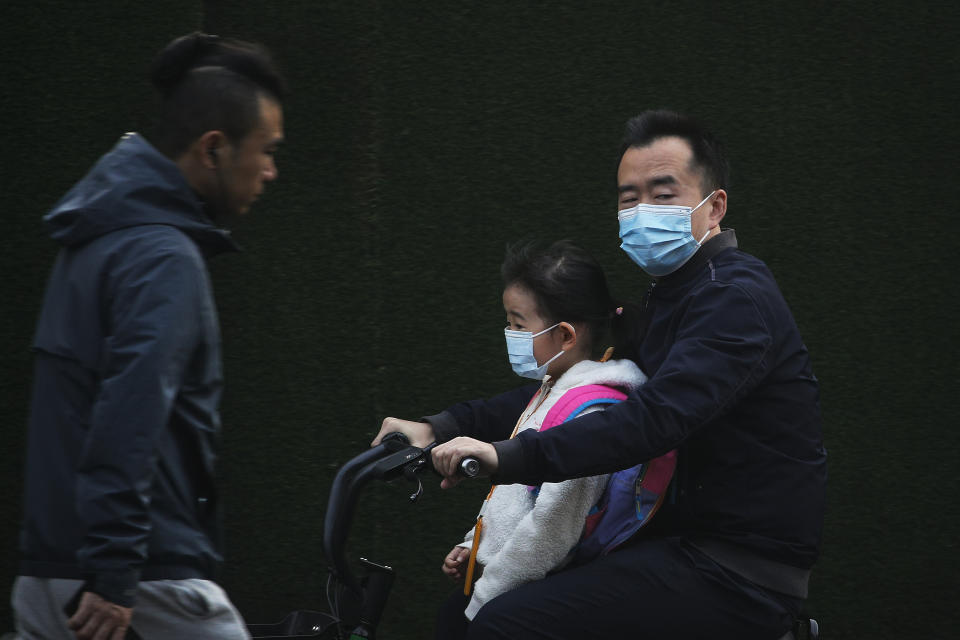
{"x":561,"y":319}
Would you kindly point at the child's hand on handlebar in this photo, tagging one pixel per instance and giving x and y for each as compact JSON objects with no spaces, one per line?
{"x":447,"y":457}
{"x":420,"y":434}
{"x":454,"y":562}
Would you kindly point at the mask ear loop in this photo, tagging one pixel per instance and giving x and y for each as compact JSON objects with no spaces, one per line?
{"x":553,"y":358}
{"x":700,"y":241}
{"x":561,"y":350}
{"x":540,"y":333}
{"x":709,"y":195}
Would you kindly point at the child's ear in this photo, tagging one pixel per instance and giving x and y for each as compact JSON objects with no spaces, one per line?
{"x":569,"y":334}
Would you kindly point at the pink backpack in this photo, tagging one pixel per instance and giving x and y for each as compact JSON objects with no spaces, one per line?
{"x":632,"y":495}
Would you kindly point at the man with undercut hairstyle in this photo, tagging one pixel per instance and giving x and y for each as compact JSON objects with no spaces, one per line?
{"x":730,"y":387}
{"x":121,"y":526}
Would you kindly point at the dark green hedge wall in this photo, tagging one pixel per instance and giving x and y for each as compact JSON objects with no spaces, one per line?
{"x":423,"y":136}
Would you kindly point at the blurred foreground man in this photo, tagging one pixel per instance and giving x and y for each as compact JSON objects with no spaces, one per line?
{"x":120,"y":529}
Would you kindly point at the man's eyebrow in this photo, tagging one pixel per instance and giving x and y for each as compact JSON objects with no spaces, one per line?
{"x":657,"y":181}
{"x":661,"y":180}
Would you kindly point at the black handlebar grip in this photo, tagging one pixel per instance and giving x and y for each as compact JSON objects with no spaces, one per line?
{"x":395,"y":440}
{"x":469,"y":467}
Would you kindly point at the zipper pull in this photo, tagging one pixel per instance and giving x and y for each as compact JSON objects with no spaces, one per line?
{"x":646,"y":296}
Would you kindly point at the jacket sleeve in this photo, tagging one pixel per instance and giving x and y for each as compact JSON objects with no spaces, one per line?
{"x":723,"y":349}
{"x":542,"y":539}
{"x":488,"y":420}
{"x":153,"y":301}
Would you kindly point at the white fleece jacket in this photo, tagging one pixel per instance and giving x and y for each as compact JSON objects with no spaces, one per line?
{"x":523,"y":537}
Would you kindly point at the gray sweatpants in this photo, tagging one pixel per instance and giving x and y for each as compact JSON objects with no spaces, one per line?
{"x":165,"y":609}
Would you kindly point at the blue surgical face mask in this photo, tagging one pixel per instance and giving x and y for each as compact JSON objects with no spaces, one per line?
{"x":658,"y":237}
{"x":520,"y":352}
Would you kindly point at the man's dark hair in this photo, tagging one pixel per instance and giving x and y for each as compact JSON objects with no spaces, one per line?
{"x":708,"y":154}
{"x":209,"y":83}
{"x":568,"y":285}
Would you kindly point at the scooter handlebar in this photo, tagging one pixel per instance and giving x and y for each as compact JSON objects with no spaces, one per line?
{"x":469,"y":467}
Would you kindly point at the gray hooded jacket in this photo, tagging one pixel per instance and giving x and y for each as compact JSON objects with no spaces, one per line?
{"x":123,"y":425}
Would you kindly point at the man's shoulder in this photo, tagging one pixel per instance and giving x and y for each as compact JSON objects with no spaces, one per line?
{"x":739,"y":276}
{"x":151,"y":240}
{"x":737,"y":267}
{"x":147,"y":254}
{"x":735,"y":256}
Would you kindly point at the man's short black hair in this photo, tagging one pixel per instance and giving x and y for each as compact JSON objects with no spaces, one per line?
{"x":708,"y":154}
{"x":210,"y":83}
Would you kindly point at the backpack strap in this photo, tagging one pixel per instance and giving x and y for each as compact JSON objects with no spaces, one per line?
{"x":632,"y":496}
{"x":573,"y":402}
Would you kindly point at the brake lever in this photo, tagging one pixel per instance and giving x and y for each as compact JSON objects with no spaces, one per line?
{"x":412,"y":470}
{"x":410,"y":473}
{"x":468,"y":468}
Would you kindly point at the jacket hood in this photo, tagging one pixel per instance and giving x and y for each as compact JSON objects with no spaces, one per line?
{"x":132,"y":185}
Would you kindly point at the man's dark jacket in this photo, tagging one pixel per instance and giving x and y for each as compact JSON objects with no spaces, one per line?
{"x":731,"y":386}
{"x":127,"y":381}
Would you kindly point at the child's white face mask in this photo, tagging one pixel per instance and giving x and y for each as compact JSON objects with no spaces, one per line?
{"x":520,"y":353}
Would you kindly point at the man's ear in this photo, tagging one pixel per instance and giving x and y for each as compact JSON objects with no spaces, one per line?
{"x":718,"y":208}
{"x":209,"y":148}
{"x":569,"y":334}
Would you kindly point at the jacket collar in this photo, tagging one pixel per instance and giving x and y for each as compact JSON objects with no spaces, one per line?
{"x":726,"y":239}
